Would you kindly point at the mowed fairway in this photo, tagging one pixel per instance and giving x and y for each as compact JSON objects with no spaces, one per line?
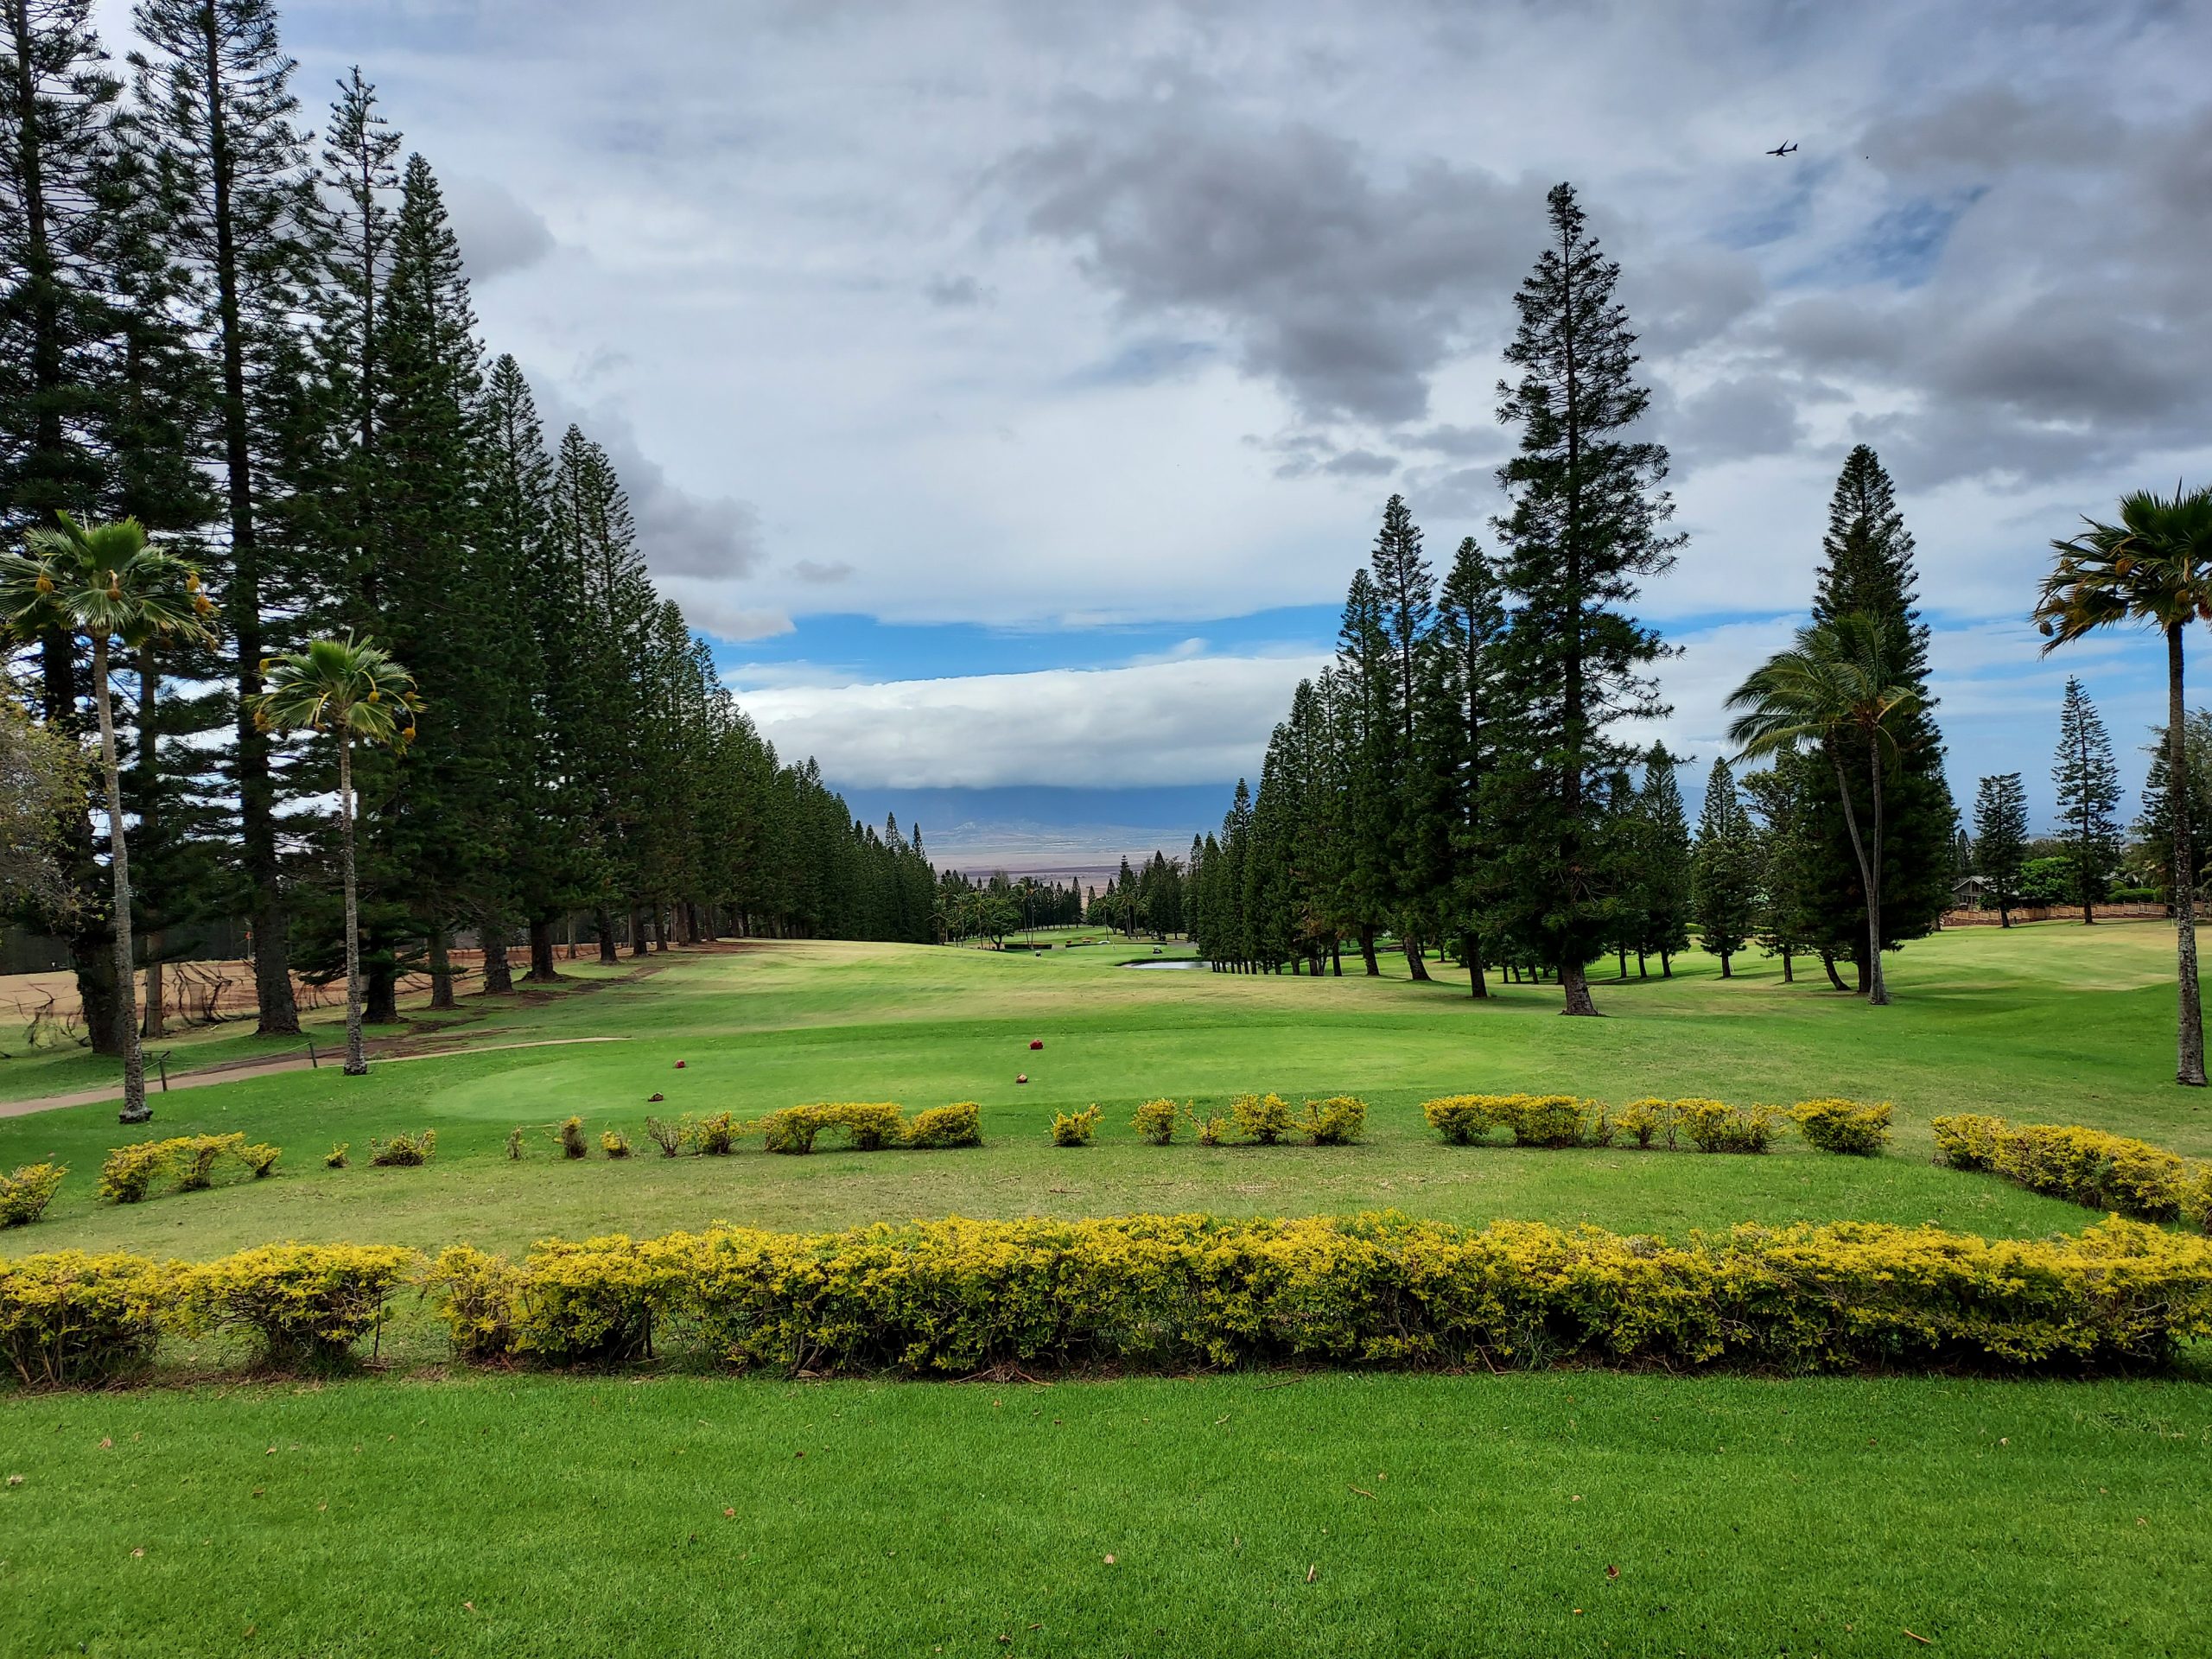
{"x":1327,"y":1514}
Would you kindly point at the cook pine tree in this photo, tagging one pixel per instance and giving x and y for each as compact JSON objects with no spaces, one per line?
{"x":2087,"y":784}
{"x":2000,"y":838}
{"x":1724,"y":871}
{"x":1585,"y":529}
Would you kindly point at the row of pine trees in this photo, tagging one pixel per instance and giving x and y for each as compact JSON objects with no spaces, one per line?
{"x":1454,"y":780}
{"x":263,"y":347}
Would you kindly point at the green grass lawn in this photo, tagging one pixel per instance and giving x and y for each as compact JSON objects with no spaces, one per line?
{"x":1221,"y":1516}
{"x":585,"y":1516}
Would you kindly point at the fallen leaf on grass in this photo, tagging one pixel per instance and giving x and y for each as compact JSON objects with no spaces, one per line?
{"x":1613,"y":1572}
{"x":1311,"y":1571}
{"x":138,"y":1553}
{"x":1110,"y":1561}
{"x":1362,"y":1491}
{"x":1916,"y":1636}
{"x":105,"y":1443}
{"x":729,"y":1515}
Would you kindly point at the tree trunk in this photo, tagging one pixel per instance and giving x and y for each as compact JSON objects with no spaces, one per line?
{"x":640,"y":935}
{"x":1725,"y":955}
{"x":1471,"y":947}
{"x":602,"y":922}
{"x":1827,"y":961}
{"x":1621,"y":952}
{"x":660,"y":929}
{"x":135,"y":1108}
{"x":154,"y":1022}
{"x":541,"y":950}
{"x":1337,"y":957}
{"x":256,"y":787}
{"x":1367,"y":949}
{"x":1415,"y":964}
{"x":1665,"y":965}
{"x":1789,"y":972}
{"x":357,"y":1062}
{"x":381,"y":999}
{"x":2190,"y":1063}
{"x":1878,"y":992}
{"x":1574,"y":981}
{"x":440,"y":967}
{"x":499,"y":976}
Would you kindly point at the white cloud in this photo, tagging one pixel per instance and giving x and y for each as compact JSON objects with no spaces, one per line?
{"x":1194,"y":722}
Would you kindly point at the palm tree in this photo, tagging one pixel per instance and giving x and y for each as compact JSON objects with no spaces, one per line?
{"x":1842,"y":678}
{"x":350,"y":686}
{"x":2154,"y":567}
{"x":106,"y":582}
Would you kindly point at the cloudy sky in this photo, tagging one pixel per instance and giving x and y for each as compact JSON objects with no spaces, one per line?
{"x":1010,"y":390}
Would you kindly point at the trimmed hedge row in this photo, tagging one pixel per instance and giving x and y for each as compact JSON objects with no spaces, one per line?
{"x":130,"y":1172}
{"x":868,"y":1126}
{"x":1163,"y":1293}
{"x":1257,"y":1119}
{"x":1843,"y":1126}
{"x":2086,"y":1166}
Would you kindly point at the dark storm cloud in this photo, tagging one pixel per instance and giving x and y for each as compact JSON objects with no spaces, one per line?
{"x":1343,"y":281}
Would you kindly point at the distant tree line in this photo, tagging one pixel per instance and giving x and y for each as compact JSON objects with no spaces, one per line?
{"x":266,"y":353}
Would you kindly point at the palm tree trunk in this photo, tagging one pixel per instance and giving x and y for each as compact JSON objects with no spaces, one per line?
{"x":1868,"y":877}
{"x":1877,"y":992}
{"x":2190,"y":1067}
{"x":357,"y":1063}
{"x":135,"y":1109}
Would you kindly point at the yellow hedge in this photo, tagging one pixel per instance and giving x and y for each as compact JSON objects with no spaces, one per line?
{"x":1154,"y":1292}
{"x":130,"y":1172}
{"x":25,"y":1194}
{"x":2086,"y":1167}
{"x":1163,"y":1293}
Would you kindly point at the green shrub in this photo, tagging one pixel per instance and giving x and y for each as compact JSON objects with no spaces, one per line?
{"x":1210,"y":1129}
{"x":404,"y":1150}
{"x":1171,"y":1293}
{"x":338,"y":1155}
{"x":614,"y":1143}
{"x":668,"y":1136}
{"x":960,"y":1124}
{"x":1157,"y":1120}
{"x":1264,"y":1120}
{"x":1462,"y":1120}
{"x":514,"y":1143}
{"x":1337,"y":1122}
{"x":70,"y":1318}
{"x":2086,"y":1166}
{"x":1713,"y":1126}
{"x":25,"y":1194}
{"x":570,"y":1135}
{"x":303,"y":1304}
{"x":869,"y":1126}
{"x":711,"y":1135}
{"x":192,"y":1159}
{"x":1845,"y":1126}
{"x":260,"y":1159}
{"x":1074,"y":1128}
{"x":1648,"y":1120}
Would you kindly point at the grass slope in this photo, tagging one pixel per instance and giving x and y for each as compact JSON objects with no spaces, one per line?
{"x":2045,"y":1023}
{"x":1226,"y":1515}
{"x":587,"y":1515}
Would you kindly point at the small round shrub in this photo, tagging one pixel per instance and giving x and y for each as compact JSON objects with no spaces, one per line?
{"x":571,"y":1137}
{"x":1337,"y":1122}
{"x":1264,"y":1120}
{"x":1074,"y":1129}
{"x":614,"y":1143}
{"x":25,"y":1194}
{"x":405,"y":1151}
{"x":338,"y":1155}
{"x":1843,"y":1126}
{"x":1157,"y":1120}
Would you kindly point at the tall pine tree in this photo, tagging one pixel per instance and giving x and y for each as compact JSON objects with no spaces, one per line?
{"x":1868,"y":567}
{"x":1725,"y":870}
{"x":1584,"y":529}
{"x":2000,"y":838}
{"x":2088,"y":793}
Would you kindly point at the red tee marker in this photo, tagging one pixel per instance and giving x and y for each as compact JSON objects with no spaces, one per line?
{"x":1021,"y":1077}
{"x":653,"y":1097}
{"x":680,"y":1064}
{"x":1039,"y":1042}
